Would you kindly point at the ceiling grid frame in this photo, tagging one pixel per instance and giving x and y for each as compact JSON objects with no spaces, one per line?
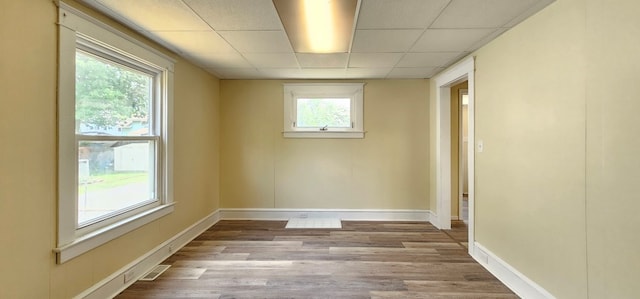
{"x":256,"y":56}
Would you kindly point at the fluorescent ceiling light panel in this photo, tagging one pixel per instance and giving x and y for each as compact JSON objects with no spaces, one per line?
{"x":318,"y":26}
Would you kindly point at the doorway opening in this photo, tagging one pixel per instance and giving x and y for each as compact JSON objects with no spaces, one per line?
{"x":459,"y":168}
{"x":445,"y":196}
{"x":463,"y":154}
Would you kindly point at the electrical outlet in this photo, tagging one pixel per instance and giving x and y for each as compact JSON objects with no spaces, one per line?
{"x":171,"y":248}
{"x":303,"y":215}
{"x":129,"y":275}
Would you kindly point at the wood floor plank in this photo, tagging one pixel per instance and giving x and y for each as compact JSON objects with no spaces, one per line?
{"x":421,"y":295}
{"x":182,"y":273}
{"x":447,"y":245}
{"x":440,"y":287}
{"x":364,"y":259}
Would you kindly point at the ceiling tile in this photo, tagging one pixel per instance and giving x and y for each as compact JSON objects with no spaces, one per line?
{"x":481,"y":13}
{"x":384,"y":40}
{"x":398,"y":14}
{"x":412,"y":72}
{"x":328,"y":73}
{"x":277,"y":73}
{"x":536,"y":7}
{"x":374,"y":60}
{"x":249,"y":41}
{"x":449,"y":40}
{"x":322,"y":73}
{"x":272,"y":60}
{"x":337,"y":60}
{"x":483,"y":41}
{"x":237,"y":73}
{"x":237,"y":14}
{"x":220,"y":60}
{"x":428,"y":59}
{"x":362,"y":73}
{"x":194,"y":41}
{"x":258,"y":41}
{"x":156,"y":15}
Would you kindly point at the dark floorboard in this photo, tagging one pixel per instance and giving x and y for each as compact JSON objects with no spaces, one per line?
{"x":262,"y":259}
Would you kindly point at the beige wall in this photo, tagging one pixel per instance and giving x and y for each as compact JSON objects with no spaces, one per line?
{"x":530,"y":113}
{"x":612,"y":152}
{"x":388,"y":169}
{"x":28,"y":162}
{"x":560,"y":90}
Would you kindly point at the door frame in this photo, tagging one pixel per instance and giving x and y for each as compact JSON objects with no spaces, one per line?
{"x":465,"y":70}
{"x":461,"y":92}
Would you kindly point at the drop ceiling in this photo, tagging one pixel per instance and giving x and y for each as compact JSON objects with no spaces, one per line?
{"x":244,"y":39}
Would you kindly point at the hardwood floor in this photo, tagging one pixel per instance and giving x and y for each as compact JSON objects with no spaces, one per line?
{"x":262,"y":259}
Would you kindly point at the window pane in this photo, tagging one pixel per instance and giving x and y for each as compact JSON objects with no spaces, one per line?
{"x":320,"y":112}
{"x":113,"y":176}
{"x":111,"y":99}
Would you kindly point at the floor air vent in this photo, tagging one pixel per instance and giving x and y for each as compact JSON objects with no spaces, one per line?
{"x":314,"y":223}
{"x":155,"y":272}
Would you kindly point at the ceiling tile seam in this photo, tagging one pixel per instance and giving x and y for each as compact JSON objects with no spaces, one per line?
{"x":288,"y":39}
{"x":320,"y":68}
{"x":473,"y":47}
{"x":365,"y":68}
{"x":505,"y":25}
{"x":220,"y":35}
{"x":456,"y":57}
{"x":482,"y":41}
{"x":466,"y":28}
{"x":250,"y":30}
{"x":346,"y":66}
{"x":113,"y":15}
{"x":444,"y":7}
{"x":429,"y":27}
{"x":526,"y":11}
{"x":353,"y":30}
{"x":353,"y":34}
{"x":375,"y":53}
{"x":439,"y":14}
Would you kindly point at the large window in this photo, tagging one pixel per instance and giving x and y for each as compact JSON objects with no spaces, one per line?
{"x":116,"y":134}
{"x":323,"y":110}
{"x":114,"y":130}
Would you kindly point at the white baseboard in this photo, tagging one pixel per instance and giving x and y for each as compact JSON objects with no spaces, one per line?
{"x":512,"y":278}
{"x":346,"y":214}
{"x":115,"y":283}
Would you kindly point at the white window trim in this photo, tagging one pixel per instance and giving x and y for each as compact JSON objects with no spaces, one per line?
{"x":293,"y":91}
{"x":70,"y":243}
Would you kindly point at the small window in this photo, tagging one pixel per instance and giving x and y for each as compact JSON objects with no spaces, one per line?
{"x":115,"y":99}
{"x":323,"y":110}
{"x":323,"y":113}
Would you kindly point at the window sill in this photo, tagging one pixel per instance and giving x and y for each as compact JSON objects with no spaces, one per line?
{"x":108,"y":233}
{"x":323,"y":134}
